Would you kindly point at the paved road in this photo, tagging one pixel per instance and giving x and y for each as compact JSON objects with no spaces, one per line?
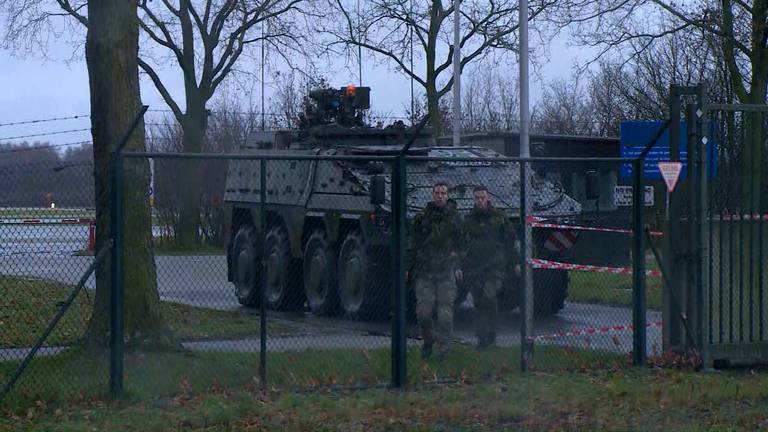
{"x":193,"y":280}
{"x":201,"y":281}
{"x":328,"y":333}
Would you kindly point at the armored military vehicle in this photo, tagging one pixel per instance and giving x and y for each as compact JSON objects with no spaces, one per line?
{"x":327,"y":238}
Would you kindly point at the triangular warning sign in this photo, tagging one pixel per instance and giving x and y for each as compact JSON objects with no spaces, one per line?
{"x":671,"y":172}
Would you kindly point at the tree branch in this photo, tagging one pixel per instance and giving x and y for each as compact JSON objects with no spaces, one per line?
{"x":188,"y":44}
{"x":168,"y":42}
{"x":351,"y":39}
{"x":228,"y":67}
{"x":221,"y":18}
{"x":170,"y":7}
{"x":64,"y":4}
{"x":162,"y":89}
{"x":198,"y":21}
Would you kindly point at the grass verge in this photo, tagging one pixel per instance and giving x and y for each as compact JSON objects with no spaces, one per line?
{"x":78,"y":376}
{"x":45,"y":212}
{"x":168,"y":247}
{"x":613,"y":289}
{"x":27,"y":305}
{"x":636,"y":399}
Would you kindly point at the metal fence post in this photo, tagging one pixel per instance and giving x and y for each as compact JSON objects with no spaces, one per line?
{"x":399,"y":353}
{"x":638,"y":267}
{"x":116,"y":337}
{"x":263,"y":274}
{"x":673,"y":330}
{"x":117,"y":226}
{"x":699,"y":140}
{"x":526,"y":291}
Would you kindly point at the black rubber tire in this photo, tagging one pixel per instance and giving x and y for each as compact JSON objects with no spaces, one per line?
{"x":320,"y":275}
{"x":550,"y":289}
{"x":362,"y":295}
{"x":246,"y":274}
{"x":283,"y":284}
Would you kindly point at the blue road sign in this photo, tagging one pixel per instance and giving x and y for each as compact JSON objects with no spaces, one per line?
{"x":635,"y":135}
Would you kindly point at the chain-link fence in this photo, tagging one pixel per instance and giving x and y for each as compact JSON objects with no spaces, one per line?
{"x":280,"y":270}
{"x":583,"y":260}
{"x":46,"y":249}
{"x":734,"y":232}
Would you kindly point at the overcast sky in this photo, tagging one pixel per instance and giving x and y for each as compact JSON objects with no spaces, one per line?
{"x":32,"y":89}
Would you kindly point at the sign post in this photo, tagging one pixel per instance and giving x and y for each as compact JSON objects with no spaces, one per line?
{"x":670,"y":171}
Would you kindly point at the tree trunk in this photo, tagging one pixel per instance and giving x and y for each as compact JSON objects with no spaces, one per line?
{"x":111,"y":54}
{"x":194,"y":125}
{"x":752,"y":152}
{"x":433,"y":98}
{"x":433,"y":107}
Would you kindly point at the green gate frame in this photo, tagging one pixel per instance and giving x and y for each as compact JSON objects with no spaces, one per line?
{"x":688,"y":308}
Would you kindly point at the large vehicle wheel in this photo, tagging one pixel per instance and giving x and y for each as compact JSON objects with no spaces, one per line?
{"x":361,"y":293}
{"x":282,"y":285}
{"x":320,"y":275}
{"x":245,"y":260}
{"x":550,"y":289}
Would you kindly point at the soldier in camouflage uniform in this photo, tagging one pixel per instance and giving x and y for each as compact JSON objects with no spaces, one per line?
{"x":436,"y":237}
{"x":490,"y":250}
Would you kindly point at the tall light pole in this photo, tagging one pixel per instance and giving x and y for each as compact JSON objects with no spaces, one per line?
{"x":456,"y":73}
{"x":525,"y":152}
{"x":525,"y":148}
{"x":359,"y":47}
{"x":410,"y":18}
{"x":263,"y":50}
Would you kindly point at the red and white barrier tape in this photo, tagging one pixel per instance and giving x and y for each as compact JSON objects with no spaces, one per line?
{"x":739,"y":217}
{"x":48,"y":221}
{"x":539,"y":223}
{"x":546,"y":264}
{"x":589,"y":331}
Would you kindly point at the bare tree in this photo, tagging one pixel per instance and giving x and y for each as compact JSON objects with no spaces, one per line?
{"x":420,"y":108}
{"x":223,"y":29}
{"x":228,"y":128}
{"x":607,"y":90}
{"x":737,"y":30}
{"x":490,"y":101}
{"x":563,"y":109}
{"x":637,"y":87}
{"x":290,"y":90}
{"x":387,"y":27}
{"x":204,"y":38}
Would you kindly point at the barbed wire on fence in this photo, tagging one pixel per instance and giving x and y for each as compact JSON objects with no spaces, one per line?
{"x":274,"y":114}
{"x":45,"y":120}
{"x":45,"y":134}
{"x":55,"y":165}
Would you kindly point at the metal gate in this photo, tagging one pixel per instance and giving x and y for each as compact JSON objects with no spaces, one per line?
{"x":715,"y":300}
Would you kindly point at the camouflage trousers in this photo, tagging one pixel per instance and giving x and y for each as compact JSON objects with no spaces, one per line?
{"x":435,"y":296}
{"x":485,"y":293}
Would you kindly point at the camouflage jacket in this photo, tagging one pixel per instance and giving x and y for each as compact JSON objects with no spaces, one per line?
{"x":435,"y":238}
{"x":490,"y":241}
